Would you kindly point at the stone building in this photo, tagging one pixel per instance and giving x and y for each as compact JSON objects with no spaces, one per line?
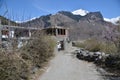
{"x":60,"y":34}
{"x":8,"y":33}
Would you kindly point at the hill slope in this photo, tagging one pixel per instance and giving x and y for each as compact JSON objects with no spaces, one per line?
{"x":5,"y":21}
{"x":80,"y":27}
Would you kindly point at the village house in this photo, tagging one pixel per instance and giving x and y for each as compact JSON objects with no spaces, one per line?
{"x":10,"y":33}
{"x":60,"y":34}
{"x":7,"y":33}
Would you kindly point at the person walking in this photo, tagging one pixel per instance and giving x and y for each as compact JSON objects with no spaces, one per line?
{"x":59,"y":46}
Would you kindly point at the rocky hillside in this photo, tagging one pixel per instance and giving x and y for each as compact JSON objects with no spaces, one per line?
{"x":91,"y":25}
{"x":5,"y":21}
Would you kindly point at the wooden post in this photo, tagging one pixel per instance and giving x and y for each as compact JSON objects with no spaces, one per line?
{"x":61,"y":31}
{"x":29,"y":33}
{"x":56,"y":31}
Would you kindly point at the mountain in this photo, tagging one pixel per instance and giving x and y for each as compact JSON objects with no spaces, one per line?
{"x":41,"y":22}
{"x":5,"y":21}
{"x":85,"y":12}
{"x":91,"y":25}
{"x":112,"y":20}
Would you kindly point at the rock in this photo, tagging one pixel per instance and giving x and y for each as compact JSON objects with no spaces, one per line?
{"x":97,"y":57}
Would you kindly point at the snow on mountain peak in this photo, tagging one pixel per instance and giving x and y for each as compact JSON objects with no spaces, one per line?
{"x":112,"y":20}
{"x":80,"y":12}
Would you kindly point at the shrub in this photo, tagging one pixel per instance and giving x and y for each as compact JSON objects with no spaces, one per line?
{"x":95,"y":45}
{"x":79,"y":44}
{"x":108,"y":47}
{"x":92,"y":45}
{"x":39,"y":49}
{"x":112,"y":63}
{"x":12,"y":67}
{"x":18,"y":65}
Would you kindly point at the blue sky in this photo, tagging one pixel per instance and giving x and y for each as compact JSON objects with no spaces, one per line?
{"x":26,"y":9}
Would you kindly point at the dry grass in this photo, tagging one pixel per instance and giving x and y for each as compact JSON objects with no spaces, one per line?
{"x":38,"y":50}
{"x":12,"y":67}
{"x":20,"y":65}
{"x":95,"y":45}
{"x":112,"y":62}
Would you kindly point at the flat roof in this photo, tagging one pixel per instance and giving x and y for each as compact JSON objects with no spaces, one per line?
{"x":19,"y":27}
{"x":58,"y":27}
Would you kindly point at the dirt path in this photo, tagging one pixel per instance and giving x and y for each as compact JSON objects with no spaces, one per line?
{"x":65,"y":66}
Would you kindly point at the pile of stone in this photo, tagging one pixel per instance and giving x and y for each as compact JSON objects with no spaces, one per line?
{"x":97,"y":57}
{"x":110,"y":62}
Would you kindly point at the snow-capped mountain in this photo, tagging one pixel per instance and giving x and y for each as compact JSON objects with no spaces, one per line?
{"x":84,"y":12}
{"x":80,"y":12}
{"x":112,"y":20}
